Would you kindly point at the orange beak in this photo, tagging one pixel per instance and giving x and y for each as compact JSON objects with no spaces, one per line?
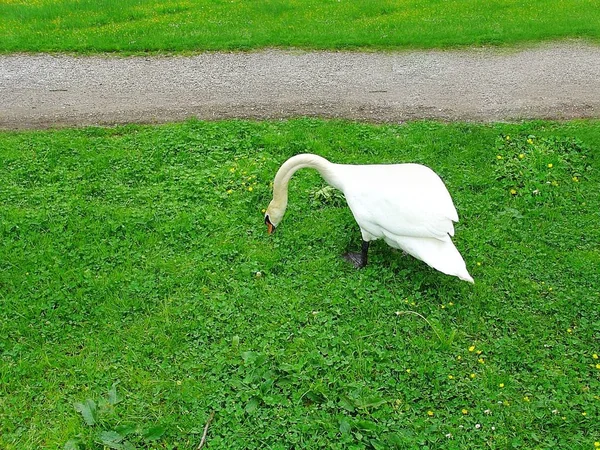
{"x":270,"y":226}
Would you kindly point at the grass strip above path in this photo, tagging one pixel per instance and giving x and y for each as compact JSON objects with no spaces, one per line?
{"x":133,"y":26}
{"x":140,"y":293}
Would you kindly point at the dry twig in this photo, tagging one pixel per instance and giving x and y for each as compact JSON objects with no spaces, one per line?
{"x":203,"y":440}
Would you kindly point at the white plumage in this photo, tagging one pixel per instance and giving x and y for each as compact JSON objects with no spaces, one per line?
{"x":406,"y":205}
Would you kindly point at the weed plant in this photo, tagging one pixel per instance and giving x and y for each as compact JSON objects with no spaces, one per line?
{"x":140,"y":292}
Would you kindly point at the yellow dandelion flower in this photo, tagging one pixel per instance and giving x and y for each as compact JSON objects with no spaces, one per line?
{"x":481,"y":361}
{"x":521,"y":155}
{"x":597,"y":444}
{"x":584,"y":413}
{"x":472,"y":376}
{"x":478,"y":263}
{"x":550,"y":165}
{"x":450,"y":304}
{"x":576,"y":179}
{"x":232,"y":169}
{"x":459,"y":357}
{"x":508,"y":138}
{"x":501,"y":385}
{"x":530,"y":141}
{"x":597,"y":366}
{"x":479,"y":352}
{"x":451,"y":377}
{"x":250,"y":189}
{"x":464,"y":411}
{"x":263,"y":210}
{"x":498,"y":157}
{"x":229,"y":191}
{"x":569,"y":330}
{"x":595,"y":356}
{"x":430,"y":413}
{"x":471,"y":348}
{"x":526,"y":399}
{"x":513,"y":192}
{"x":407,"y":370}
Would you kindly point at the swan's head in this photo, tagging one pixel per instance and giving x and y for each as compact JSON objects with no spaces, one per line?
{"x":273,"y":215}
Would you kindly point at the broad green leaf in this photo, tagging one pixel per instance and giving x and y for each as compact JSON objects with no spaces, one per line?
{"x":252,"y":405}
{"x":113,"y":397}
{"x":88,"y":410}
{"x":373,"y":402}
{"x":154,"y":433}
{"x":111,"y":439}
{"x":345,"y":426}
{"x":266,"y":385}
{"x":72,"y":444}
{"x":128,"y":446}
{"x":249,"y":357}
{"x":347,"y":403}
{"x":126,"y":429}
{"x":365,"y":425}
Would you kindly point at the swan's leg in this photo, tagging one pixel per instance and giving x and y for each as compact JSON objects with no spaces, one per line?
{"x":359,"y":259}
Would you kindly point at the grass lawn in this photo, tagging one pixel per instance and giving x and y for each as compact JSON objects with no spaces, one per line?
{"x":140,"y":292}
{"x":197,"y":25}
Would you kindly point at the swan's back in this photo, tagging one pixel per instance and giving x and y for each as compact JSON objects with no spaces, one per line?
{"x":409,"y":207}
{"x":398,"y":199}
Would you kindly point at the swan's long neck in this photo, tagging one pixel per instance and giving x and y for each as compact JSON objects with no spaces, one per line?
{"x":295,"y":163}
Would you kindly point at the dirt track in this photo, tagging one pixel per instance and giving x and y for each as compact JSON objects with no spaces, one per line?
{"x":557,"y":81}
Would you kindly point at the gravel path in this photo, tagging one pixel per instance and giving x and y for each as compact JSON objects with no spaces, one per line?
{"x":557,"y":81}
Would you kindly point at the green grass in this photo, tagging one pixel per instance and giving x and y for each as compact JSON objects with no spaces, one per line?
{"x":139,"y":292}
{"x":133,"y":26}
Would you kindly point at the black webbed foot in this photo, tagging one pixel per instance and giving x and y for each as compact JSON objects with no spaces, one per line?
{"x":359,"y":260}
{"x":355,"y":258}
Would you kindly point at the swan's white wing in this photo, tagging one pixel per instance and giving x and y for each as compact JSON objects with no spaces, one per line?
{"x":400,"y":200}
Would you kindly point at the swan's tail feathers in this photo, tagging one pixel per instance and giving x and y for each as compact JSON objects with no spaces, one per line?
{"x":442,"y":255}
{"x":466,"y":276}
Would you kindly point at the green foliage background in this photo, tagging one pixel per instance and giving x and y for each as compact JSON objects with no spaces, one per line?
{"x":137,"y":26}
{"x":138,"y":283}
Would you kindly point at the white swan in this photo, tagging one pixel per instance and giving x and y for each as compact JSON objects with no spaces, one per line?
{"x":406,"y":205}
